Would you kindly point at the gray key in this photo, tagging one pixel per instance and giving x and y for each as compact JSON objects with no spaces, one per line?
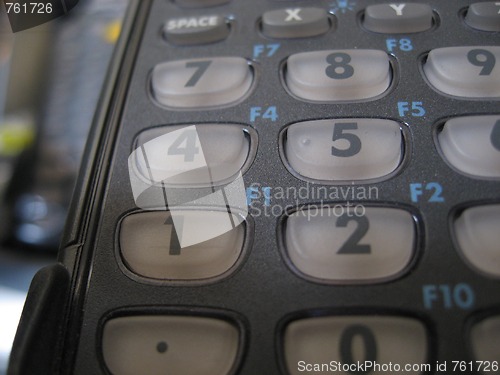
{"x":353,"y":340}
{"x":201,"y":83}
{"x":476,"y":230}
{"x":344,"y":149}
{"x":196,"y":30}
{"x":340,"y":244}
{"x":468,"y":72}
{"x":338,"y":75}
{"x":485,"y":340}
{"x":169,"y":344}
{"x":151,"y":243}
{"x":484,"y":16}
{"x":471,"y":144}
{"x":295,"y":22}
{"x":398,"y":18}
{"x":203,"y":155}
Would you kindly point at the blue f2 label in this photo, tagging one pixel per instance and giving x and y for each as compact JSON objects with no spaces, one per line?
{"x":431,"y":192}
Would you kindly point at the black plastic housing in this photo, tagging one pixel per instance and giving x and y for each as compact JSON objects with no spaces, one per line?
{"x":264,"y":289}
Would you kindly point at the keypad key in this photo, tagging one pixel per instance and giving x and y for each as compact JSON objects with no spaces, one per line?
{"x":295,"y":22}
{"x":338,"y":75}
{"x":471,"y":144}
{"x":484,"y":16}
{"x":344,"y":149}
{"x":200,"y":3}
{"x":398,"y":18}
{"x":478,"y":237}
{"x":200,"y":83}
{"x":468,"y":72}
{"x":175,"y":166}
{"x":485,"y":340}
{"x":195,"y":155}
{"x":181,"y":245}
{"x":196,"y":30}
{"x":349,"y":340}
{"x":340,"y":244}
{"x":156,"y":344}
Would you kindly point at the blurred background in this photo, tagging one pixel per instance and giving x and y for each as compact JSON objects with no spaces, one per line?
{"x":50,"y":81}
